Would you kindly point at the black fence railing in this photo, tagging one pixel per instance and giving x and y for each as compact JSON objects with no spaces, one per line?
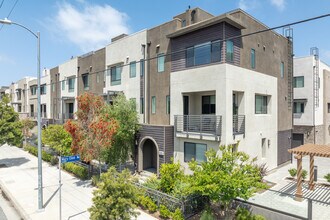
{"x":238,"y":124}
{"x":198,"y":124}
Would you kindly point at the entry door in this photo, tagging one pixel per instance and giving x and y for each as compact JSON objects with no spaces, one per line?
{"x":185,"y":112}
{"x":297,"y":140}
{"x":70,"y":108}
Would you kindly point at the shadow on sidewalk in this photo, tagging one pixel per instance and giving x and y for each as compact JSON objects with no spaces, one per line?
{"x":10,"y":162}
{"x":51,"y":197}
{"x":84,"y":183}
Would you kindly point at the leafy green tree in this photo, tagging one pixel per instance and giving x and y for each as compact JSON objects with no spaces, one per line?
{"x":10,"y":125}
{"x":116,"y":197}
{"x":27,"y":125}
{"x":223,"y":178}
{"x":124,"y":112}
{"x":171,"y":175}
{"x":58,"y":139}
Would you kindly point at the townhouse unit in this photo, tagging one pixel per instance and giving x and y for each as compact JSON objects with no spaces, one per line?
{"x":204,"y":90}
{"x":311,"y":100}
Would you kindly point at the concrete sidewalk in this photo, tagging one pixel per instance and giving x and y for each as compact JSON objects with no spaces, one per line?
{"x":18,"y":179}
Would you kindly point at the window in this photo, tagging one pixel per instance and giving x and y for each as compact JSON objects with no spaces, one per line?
{"x":33,"y":90}
{"x":141,"y":67}
{"x":133,"y":100}
{"x":115,"y":72}
{"x":263,"y":147}
{"x":19,"y":108}
{"x":161,"y":62}
{"x":43,"y":89}
{"x":141,"y":105}
{"x":208,"y":104}
{"x":298,"y":82}
{"x":71,"y":82}
{"x":183,"y":23}
{"x":282,"y":69}
{"x":98,"y":77}
{"x":253,"y":59}
{"x":85,"y":79}
{"x":168,"y":104}
{"x":205,"y":53}
{"x":63,"y":84}
{"x":229,"y":51}
{"x":261,"y":104}
{"x":194,"y":151}
{"x":298,"y":107}
{"x":132,"y":69}
{"x":328,"y":107}
{"x":153,"y":104}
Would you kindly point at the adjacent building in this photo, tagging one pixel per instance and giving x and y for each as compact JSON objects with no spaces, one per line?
{"x":311,"y":100}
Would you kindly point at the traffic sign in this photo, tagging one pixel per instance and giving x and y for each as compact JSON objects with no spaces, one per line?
{"x":70,"y":159}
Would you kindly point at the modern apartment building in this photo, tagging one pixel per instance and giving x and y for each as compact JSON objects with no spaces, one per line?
{"x":4,"y":90}
{"x":208,"y":91}
{"x":45,"y":96}
{"x":311,"y":100}
{"x":124,"y":62}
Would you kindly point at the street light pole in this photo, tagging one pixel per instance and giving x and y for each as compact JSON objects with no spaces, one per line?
{"x":37,"y":35}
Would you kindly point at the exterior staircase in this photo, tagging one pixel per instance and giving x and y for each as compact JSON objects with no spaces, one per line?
{"x":146,"y":174}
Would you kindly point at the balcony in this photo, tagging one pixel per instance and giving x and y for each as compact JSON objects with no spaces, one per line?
{"x":238,"y":124}
{"x":198,"y":125}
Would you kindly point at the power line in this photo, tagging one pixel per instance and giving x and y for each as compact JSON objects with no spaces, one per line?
{"x":2,"y":3}
{"x":184,"y":50}
{"x":9,"y":12}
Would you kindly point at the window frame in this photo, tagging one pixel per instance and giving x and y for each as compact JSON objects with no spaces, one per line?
{"x":43,"y":89}
{"x":168,"y":105}
{"x":160,"y":59}
{"x":132,"y":74}
{"x":185,"y":145}
{"x":295,"y":78}
{"x":230,"y":54}
{"x":118,"y":71}
{"x":210,"y":110}
{"x":282,"y":71}
{"x":142,"y":105}
{"x":253,"y":58}
{"x":153,"y":104}
{"x":302,"y":107}
{"x":72,"y":80}
{"x":85,"y":83}
{"x":264,"y":110}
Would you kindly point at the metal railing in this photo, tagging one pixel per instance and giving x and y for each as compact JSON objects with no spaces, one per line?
{"x":33,"y":115}
{"x":199,"y":124}
{"x":238,"y":124}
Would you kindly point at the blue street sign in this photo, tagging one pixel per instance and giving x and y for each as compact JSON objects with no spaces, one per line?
{"x":70,"y":159}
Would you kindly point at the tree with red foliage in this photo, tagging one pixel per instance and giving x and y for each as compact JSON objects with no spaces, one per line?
{"x":92,"y":133}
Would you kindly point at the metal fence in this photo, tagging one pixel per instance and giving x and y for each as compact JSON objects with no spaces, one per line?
{"x":199,"y":124}
{"x":189,"y":206}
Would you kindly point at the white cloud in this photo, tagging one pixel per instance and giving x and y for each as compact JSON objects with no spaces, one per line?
{"x":6,"y":59}
{"x":89,"y":27}
{"x":247,"y":5}
{"x":280,"y":4}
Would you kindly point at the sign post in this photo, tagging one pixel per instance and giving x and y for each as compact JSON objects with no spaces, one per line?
{"x":64,"y":160}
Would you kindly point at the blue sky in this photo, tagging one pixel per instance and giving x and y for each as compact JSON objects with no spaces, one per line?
{"x":71,"y":28}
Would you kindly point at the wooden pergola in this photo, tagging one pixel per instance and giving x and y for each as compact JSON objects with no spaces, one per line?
{"x":312,"y":151}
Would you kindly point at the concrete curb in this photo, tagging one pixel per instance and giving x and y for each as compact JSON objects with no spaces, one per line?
{"x":17,"y":206}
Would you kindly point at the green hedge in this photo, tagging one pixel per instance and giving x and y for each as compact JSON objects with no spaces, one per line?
{"x":77,"y":170}
{"x":33,"y":150}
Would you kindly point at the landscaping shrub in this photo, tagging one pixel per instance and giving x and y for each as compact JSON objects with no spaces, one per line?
{"x":207,"y":215}
{"x":164,"y":212}
{"x":177,"y":215}
{"x":77,"y":170}
{"x":304,"y":174}
{"x":34,"y":151}
{"x":171,"y":174}
{"x":152,"y":182}
{"x":147,"y":203}
{"x":327,"y":177}
{"x":293,"y":172}
{"x":244,"y":214}
{"x":54,"y":160}
{"x":95,"y":180}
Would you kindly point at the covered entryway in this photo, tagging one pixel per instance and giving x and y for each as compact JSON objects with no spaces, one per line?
{"x":148,"y":155}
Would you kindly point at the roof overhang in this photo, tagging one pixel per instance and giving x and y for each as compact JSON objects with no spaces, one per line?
{"x":209,"y":22}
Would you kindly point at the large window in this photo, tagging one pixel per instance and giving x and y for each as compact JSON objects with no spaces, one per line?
{"x":168,"y":104}
{"x":153,"y":104}
{"x":298,"y":82}
{"x":194,"y":151}
{"x":132,"y":69}
{"x":43,"y":89}
{"x":261,"y":103}
{"x":115,"y":75}
{"x":71,"y":82}
{"x":298,"y":107}
{"x":282,"y":69}
{"x":33,"y":90}
{"x":208,"y":104}
{"x":161,"y":62}
{"x":229,"y":51}
{"x":85,"y":79}
{"x":253,"y":58}
{"x":205,"y":53}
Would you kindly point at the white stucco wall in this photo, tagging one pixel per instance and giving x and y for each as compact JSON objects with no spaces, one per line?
{"x":122,"y":52}
{"x":67,"y":70}
{"x":45,"y":99}
{"x":224,"y":79}
{"x":304,"y":67}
